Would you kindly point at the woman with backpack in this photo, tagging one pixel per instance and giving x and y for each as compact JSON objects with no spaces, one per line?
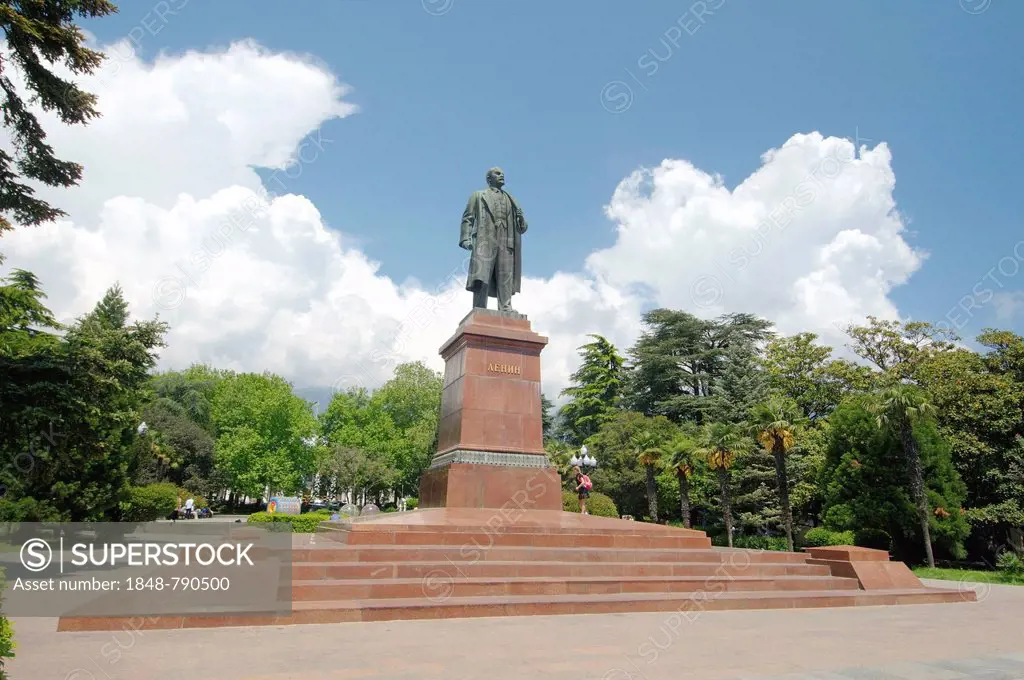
{"x":583,"y":487}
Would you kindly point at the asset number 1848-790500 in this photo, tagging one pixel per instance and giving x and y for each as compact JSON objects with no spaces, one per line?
{"x":179,"y":583}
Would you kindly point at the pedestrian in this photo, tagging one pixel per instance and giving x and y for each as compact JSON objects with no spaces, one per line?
{"x":583,"y":487}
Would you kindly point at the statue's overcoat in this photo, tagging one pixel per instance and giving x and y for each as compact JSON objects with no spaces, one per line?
{"x":478,"y":226}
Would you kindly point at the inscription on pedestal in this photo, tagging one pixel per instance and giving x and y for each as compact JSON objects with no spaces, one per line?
{"x":508,"y":369}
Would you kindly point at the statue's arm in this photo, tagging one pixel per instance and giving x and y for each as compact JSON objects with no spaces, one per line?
{"x":520,"y":218}
{"x":468,"y":216}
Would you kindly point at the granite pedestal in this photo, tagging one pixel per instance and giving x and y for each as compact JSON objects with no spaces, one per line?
{"x":490,"y":449}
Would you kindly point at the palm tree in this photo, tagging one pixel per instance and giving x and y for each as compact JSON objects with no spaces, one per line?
{"x":898,"y":408}
{"x":682,"y":450}
{"x":649,"y":454}
{"x":775,"y":424}
{"x":722,"y":442}
{"x":164,"y":455}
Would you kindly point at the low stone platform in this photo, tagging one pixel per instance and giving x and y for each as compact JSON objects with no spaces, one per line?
{"x":463,"y":562}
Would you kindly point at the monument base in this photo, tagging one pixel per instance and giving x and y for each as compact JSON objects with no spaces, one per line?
{"x":467,"y":485}
{"x":490,"y":450}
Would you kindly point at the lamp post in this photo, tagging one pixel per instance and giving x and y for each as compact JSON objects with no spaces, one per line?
{"x":584,"y":458}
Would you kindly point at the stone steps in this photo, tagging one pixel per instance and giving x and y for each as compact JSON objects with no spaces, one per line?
{"x":513,"y":569}
{"x":439,"y":586}
{"x":684,"y":607}
{"x":445,"y":563}
{"x":471,"y":553}
{"x":519,"y":539}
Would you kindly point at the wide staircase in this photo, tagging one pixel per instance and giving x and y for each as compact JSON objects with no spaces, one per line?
{"x":452,"y":564}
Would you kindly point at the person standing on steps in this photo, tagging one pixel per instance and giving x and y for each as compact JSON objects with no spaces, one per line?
{"x":583,"y":487}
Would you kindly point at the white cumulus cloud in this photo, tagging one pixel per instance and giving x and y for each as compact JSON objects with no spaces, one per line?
{"x":172,"y":209}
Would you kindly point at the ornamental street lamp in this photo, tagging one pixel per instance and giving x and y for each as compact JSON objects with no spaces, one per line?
{"x":584,"y":458}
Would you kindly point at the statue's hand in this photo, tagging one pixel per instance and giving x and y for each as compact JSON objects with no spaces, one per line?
{"x":467,"y":244}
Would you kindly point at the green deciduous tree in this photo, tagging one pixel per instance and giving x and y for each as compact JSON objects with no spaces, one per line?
{"x":896,"y":347}
{"x":189,"y":392}
{"x":979,"y":401}
{"x":264,"y":434}
{"x":412,"y":400}
{"x":799,"y":368}
{"x":394,"y":429}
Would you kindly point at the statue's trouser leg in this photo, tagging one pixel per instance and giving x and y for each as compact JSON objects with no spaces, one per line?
{"x":480,"y":295}
{"x":506,"y":262}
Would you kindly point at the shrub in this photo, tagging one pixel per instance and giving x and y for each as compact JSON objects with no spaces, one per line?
{"x":298,"y":524}
{"x":820,"y":536}
{"x":873,"y":538}
{"x":6,"y":643}
{"x":150,"y":502}
{"x":412,"y":503}
{"x":6,"y":634}
{"x":28,"y":510}
{"x":760,"y":543}
{"x":598,"y":504}
{"x":1010,"y":564}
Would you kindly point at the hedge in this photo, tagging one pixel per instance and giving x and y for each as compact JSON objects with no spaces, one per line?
{"x":598,"y":504}
{"x":298,"y":524}
{"x":820,"y":537}
{"x":873,"y":538}
{"x":150,"y":502}
{"x":760,"y":543}
{"x":6,"y":634}
{"x":28,"y":510}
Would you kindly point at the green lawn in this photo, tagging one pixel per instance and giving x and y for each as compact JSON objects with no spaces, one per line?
{"x":968,"y":575}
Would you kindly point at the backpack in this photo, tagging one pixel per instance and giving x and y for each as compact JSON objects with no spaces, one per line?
{"x":587,"y":484}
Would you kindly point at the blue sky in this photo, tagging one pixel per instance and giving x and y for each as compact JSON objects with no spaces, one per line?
{"x":519,"y":84}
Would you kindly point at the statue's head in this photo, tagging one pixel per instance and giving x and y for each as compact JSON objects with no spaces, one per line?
{"x":496,"y":178}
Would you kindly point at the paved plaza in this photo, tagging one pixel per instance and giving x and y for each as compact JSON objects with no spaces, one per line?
{"x":980,"y":641}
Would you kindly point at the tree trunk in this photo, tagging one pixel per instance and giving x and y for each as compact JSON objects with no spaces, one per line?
{"x":723,"y":484}
{"x":652,"y":493}
{"x":684,"y":498}
{"x":783,"y":481}
{"x":917,"y":486}
{"x":1016,"y":540}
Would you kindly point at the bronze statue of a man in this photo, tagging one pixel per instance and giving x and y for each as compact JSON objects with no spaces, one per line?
{"x":492,"y":229}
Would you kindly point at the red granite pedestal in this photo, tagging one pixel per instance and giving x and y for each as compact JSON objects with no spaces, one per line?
{"x":490,"y":450}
